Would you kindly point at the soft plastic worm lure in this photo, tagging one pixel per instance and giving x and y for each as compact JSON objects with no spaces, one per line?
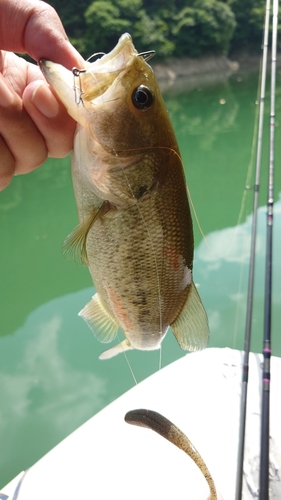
{"x":156,"y":422}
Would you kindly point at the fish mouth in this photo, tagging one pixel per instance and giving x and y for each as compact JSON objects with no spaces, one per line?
{"x":87,"y":84}
{"x":117,"y":57}
{"x":96,"y":78}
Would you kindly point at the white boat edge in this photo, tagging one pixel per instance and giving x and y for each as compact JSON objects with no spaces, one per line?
{"x":200,"y":393}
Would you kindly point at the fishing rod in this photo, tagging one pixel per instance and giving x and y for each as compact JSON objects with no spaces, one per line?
{"x":264,"y":456}
{"x":248,"y":328}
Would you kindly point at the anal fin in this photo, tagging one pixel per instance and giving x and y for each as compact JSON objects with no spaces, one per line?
{"x":117,"y":349}
{"x":191,"y":327}
{"x":101,"y":323}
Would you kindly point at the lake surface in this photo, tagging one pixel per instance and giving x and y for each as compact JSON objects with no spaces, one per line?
{"x":51,"y":380}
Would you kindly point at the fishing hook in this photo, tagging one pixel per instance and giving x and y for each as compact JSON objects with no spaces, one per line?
{"x":76,"y":73}
{"x":148,"y":54}
{"x":95,"y":54}
{"x":78,"y":92}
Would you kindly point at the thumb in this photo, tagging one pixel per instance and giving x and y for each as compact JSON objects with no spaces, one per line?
{"x":34,"y":27}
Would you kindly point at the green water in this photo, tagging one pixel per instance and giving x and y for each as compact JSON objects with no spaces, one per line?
{"x":51,"y":380}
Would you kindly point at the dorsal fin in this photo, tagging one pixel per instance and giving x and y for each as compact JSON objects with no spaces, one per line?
{"x":74,"y":246}
{"x":101,"y":323}
{"x":191,"y":327}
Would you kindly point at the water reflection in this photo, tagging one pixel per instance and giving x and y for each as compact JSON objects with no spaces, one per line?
{"x":221,"y":268}
{"x":54,"y":380}
{"x":222,"y":105}
{"x":50,"y":377}
{"x":44,"y":395}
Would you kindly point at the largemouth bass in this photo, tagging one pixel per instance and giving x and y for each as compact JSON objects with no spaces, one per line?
{"x":135,"y":231}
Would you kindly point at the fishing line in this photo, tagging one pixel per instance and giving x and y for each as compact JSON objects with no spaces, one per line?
{"x":130,"y":368}
{"x":160,"y":358}
{"x":240,"y":299}
{"x":144,"y":149}
{"x":242,"y":204}
{"x":153,"y":253}
{"x":246,"y":189}
{"x":79,"y":101}
{"x":249,"y":182}
{"x":245,"y":195}
{"x":250,"y":170}
{"x":127,"y":360}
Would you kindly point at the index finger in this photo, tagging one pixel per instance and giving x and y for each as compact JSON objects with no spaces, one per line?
{"x":34,"y":27}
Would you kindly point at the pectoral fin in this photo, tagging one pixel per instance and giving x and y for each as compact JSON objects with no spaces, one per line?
{"x":117,"y":349}
{"x":191,"y":327}
{"x":75,"y":243}
{"x":101,"y":323}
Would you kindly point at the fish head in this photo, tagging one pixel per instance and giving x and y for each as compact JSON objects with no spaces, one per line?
{"x":118,"y":82}
{"x":118,"y":105}
{"x":80,"y":89}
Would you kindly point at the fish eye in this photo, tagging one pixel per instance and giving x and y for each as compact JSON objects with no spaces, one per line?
{"x":142,"y":98}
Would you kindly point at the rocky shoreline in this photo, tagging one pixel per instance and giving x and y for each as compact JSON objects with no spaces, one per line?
{"x":174,"y":68}
{"x":171,"y":69}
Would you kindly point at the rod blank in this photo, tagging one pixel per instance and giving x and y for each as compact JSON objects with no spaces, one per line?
{"x":264,"y":456}
{"x":248,"y":329}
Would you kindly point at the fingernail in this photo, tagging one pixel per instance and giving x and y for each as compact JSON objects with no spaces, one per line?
{"x":45,"y":101}
{"x":6,"y":95}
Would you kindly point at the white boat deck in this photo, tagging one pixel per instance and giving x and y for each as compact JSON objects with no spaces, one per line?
{"x":106,"y":458}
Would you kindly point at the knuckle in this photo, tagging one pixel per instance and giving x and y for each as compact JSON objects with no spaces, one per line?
{"x":21,"y":140}
{"x":32,"y":160}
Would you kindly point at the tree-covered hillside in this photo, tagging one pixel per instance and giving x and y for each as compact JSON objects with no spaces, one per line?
{"x":171,"y":27}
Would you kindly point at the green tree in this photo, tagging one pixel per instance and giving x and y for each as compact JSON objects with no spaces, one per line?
{"x":153,"y":32}
{"x":107,"y":20}
{"x":249,"y":17}
{"x":170,"y":27}
{"x":204,"y":27}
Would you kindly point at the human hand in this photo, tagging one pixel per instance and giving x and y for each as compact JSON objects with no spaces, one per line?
{"x":33,"y":123}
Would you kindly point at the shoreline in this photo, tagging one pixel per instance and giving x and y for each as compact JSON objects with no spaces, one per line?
{"x":173,"y":68}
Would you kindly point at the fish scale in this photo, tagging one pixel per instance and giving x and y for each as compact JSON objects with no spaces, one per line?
{"x":135,"y":228}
